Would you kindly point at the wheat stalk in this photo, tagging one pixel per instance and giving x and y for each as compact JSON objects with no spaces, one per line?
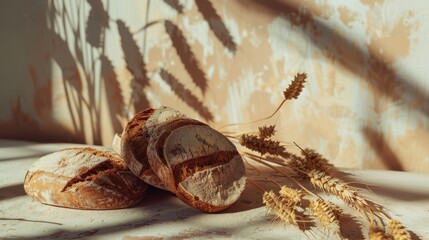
{"x":338,"y":187}
{"x":318,"y":170}
{"x":295,"y":87}
{"x":398,"y":231}
{"x":261,"y":145}
{"x":292,"y":92}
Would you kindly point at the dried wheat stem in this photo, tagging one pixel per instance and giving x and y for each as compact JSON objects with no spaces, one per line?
{"x":378,"y":233}
{"x":256,"y":185}
{"x":269,"y":159}
{"x":261,"y":145}
{"x":252,"y":157}
{"x":259,"y":120}
{"x":327,"y":213}
{"x":398,"y":231}
{"x":292,"y":92}
{"x":263,"y":174}
{"x":280,"y":208}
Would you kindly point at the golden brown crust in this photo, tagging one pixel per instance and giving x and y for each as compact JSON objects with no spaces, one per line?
{"x":196,"y":203}
{"x":134,"y":143}
{"x":152,"y":179}
{"x":108,"y":184}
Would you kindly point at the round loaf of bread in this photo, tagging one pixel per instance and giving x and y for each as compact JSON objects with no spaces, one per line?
{"x":83,"y":178}
{"x":200,"y":165}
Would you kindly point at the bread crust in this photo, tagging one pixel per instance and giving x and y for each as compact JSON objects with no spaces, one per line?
{"x":83,"y":178}
{"x":132,"y":146}
{"x":134,"y":143}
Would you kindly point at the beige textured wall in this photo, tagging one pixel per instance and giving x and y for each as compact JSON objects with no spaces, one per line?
{"x":76,"y":70}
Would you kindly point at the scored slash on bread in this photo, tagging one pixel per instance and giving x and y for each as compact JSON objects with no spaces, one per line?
{"x":83,"y":178}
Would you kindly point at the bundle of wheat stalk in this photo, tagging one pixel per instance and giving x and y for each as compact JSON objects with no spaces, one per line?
{"x":300,"y":206}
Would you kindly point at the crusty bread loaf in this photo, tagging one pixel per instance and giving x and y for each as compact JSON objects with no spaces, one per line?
{"x":200,"y":165}
{"x":83,"y":178}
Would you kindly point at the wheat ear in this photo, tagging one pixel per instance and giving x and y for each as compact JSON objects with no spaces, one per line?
{"x":398,"y":231}
{"x":327,"y":213}
{"x":292,"y":92}
{"x":293,"y":196}
{"x":280,"y":208}
{"x":317,"y":169}
{"x":378,"y":233}
{"x":311,"y":160}
{"x":295,"y":87}
{"x":261,"y":145}
{"x":257,"y":159}
{"x":339,"y":188}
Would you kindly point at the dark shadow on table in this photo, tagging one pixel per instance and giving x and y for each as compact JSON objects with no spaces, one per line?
{"x":35,"y":156}
{"x":12,"y":191}
{"x":388,"y":191}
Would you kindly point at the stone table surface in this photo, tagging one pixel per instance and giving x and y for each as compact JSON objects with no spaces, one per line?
{"x":162,"y":216}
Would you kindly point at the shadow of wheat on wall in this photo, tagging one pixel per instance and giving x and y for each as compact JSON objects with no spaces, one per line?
{"x":186,"y":55}
{"x":135,"y":65}
{"x":186,"y":95}
{"x":176,"y":5}
{"x":96,"y":24}
{"x":378,"y":143}
{"x":76,"y":53}
{"x":115,"y":99}
{"x":216,"y":24}
{"x":368,"y":63}
{"x":88,"y":77}
{"x":72,"y":81}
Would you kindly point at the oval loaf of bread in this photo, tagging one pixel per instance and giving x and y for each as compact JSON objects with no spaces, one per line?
{"x":200,"y":165}
{"x":83,"y":178}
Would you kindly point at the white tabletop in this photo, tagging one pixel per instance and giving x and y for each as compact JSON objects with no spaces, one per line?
{"x":162,"y":216}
